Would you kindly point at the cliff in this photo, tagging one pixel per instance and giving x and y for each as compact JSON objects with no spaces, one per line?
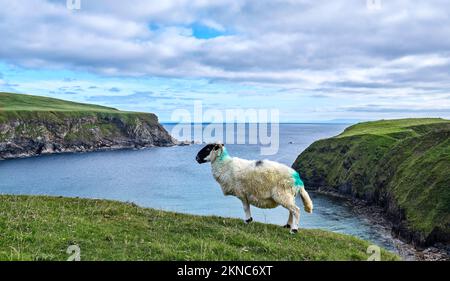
{"x":401,"y":165}
{"x":32,"y":125}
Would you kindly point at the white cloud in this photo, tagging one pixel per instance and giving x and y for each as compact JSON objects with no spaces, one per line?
{"x":330,"y":48}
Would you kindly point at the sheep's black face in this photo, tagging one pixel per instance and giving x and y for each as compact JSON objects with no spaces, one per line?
{"x":204,"y":153}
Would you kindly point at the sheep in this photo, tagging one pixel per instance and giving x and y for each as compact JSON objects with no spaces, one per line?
{"x":261,"y":183}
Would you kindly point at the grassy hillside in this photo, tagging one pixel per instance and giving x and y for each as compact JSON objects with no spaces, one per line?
{"x":23,"y":107}
{"x":21,"y":102}
{"x":402,"y":165}
{"x":32,"y":125}
{"x":397,"y":128}
{"x":41,"y":228}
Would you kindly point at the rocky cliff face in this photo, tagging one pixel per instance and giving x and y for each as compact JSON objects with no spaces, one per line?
{"x":25,"y":134}
{"x":404,"y":169}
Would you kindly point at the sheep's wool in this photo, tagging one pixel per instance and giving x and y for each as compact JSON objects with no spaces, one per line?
{"x":258,"y":182}
{"x":298,"y":183}
{"x":261,"y":183}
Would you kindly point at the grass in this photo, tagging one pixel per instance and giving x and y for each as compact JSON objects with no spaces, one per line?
{"x":421,"y":184}
{"x":403,"y":127}
{"x":29,"y":117}
{"x":22,"y":102}
{"x":36,"y":108}
{"x":41,"y":228}
{"x":407,"y":160}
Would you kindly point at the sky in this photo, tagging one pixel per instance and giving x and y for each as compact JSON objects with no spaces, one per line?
{"x":311,"y":60}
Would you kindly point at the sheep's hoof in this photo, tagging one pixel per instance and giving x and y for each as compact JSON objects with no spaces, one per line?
{"x":249,"y":220}
{"x":294,"y":231}
{"x":287,"y":226}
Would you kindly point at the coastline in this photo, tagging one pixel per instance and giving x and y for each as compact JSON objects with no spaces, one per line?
{"x":376,"y":215}
{"x":360,"y":207}
{"x":84,"y":150}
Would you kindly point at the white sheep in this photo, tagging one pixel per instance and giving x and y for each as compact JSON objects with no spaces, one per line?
{"x":262,"y":183}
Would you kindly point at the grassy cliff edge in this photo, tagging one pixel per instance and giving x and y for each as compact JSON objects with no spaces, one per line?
{"x":42,"y":228}
{"x":34,"y":125}
{"x":402,"y":165}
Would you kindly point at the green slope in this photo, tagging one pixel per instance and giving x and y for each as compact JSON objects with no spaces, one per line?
{"x":41,"y":228}
{"x":394,"y":128}
{"x":21,"y":102}
{"x":27,"y":107}
{"x":33,"y":125}
{"x":402,"y":165}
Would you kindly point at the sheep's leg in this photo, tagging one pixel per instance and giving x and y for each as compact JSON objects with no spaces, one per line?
{"x":248,"y":214}
{"x":296,"y":214}
{"x":288,"y":202}
{"x":289,"y":222}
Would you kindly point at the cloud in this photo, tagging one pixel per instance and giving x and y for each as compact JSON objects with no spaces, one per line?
{"x":114,"y":90}
{"x":135,"y":98}
{"x":272,"y":42}
{"x":5,"y":85}
{"x":322,"y":49}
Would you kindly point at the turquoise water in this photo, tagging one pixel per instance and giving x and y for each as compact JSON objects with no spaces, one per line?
{"x":170,"y":179}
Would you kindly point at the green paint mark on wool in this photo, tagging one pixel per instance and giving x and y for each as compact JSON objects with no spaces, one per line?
{"x":298,"y":183}
{"x":224,"y":155}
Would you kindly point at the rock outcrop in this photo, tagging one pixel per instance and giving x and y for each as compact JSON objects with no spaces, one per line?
{"x":25,"y":133}
{"x":400,"y":165}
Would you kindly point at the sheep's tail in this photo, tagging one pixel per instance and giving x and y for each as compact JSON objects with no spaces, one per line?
{"x":298,"y":183}
{"x":307,"y":203}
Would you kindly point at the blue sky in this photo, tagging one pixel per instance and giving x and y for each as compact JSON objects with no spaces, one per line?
{"x":311,"y":60}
